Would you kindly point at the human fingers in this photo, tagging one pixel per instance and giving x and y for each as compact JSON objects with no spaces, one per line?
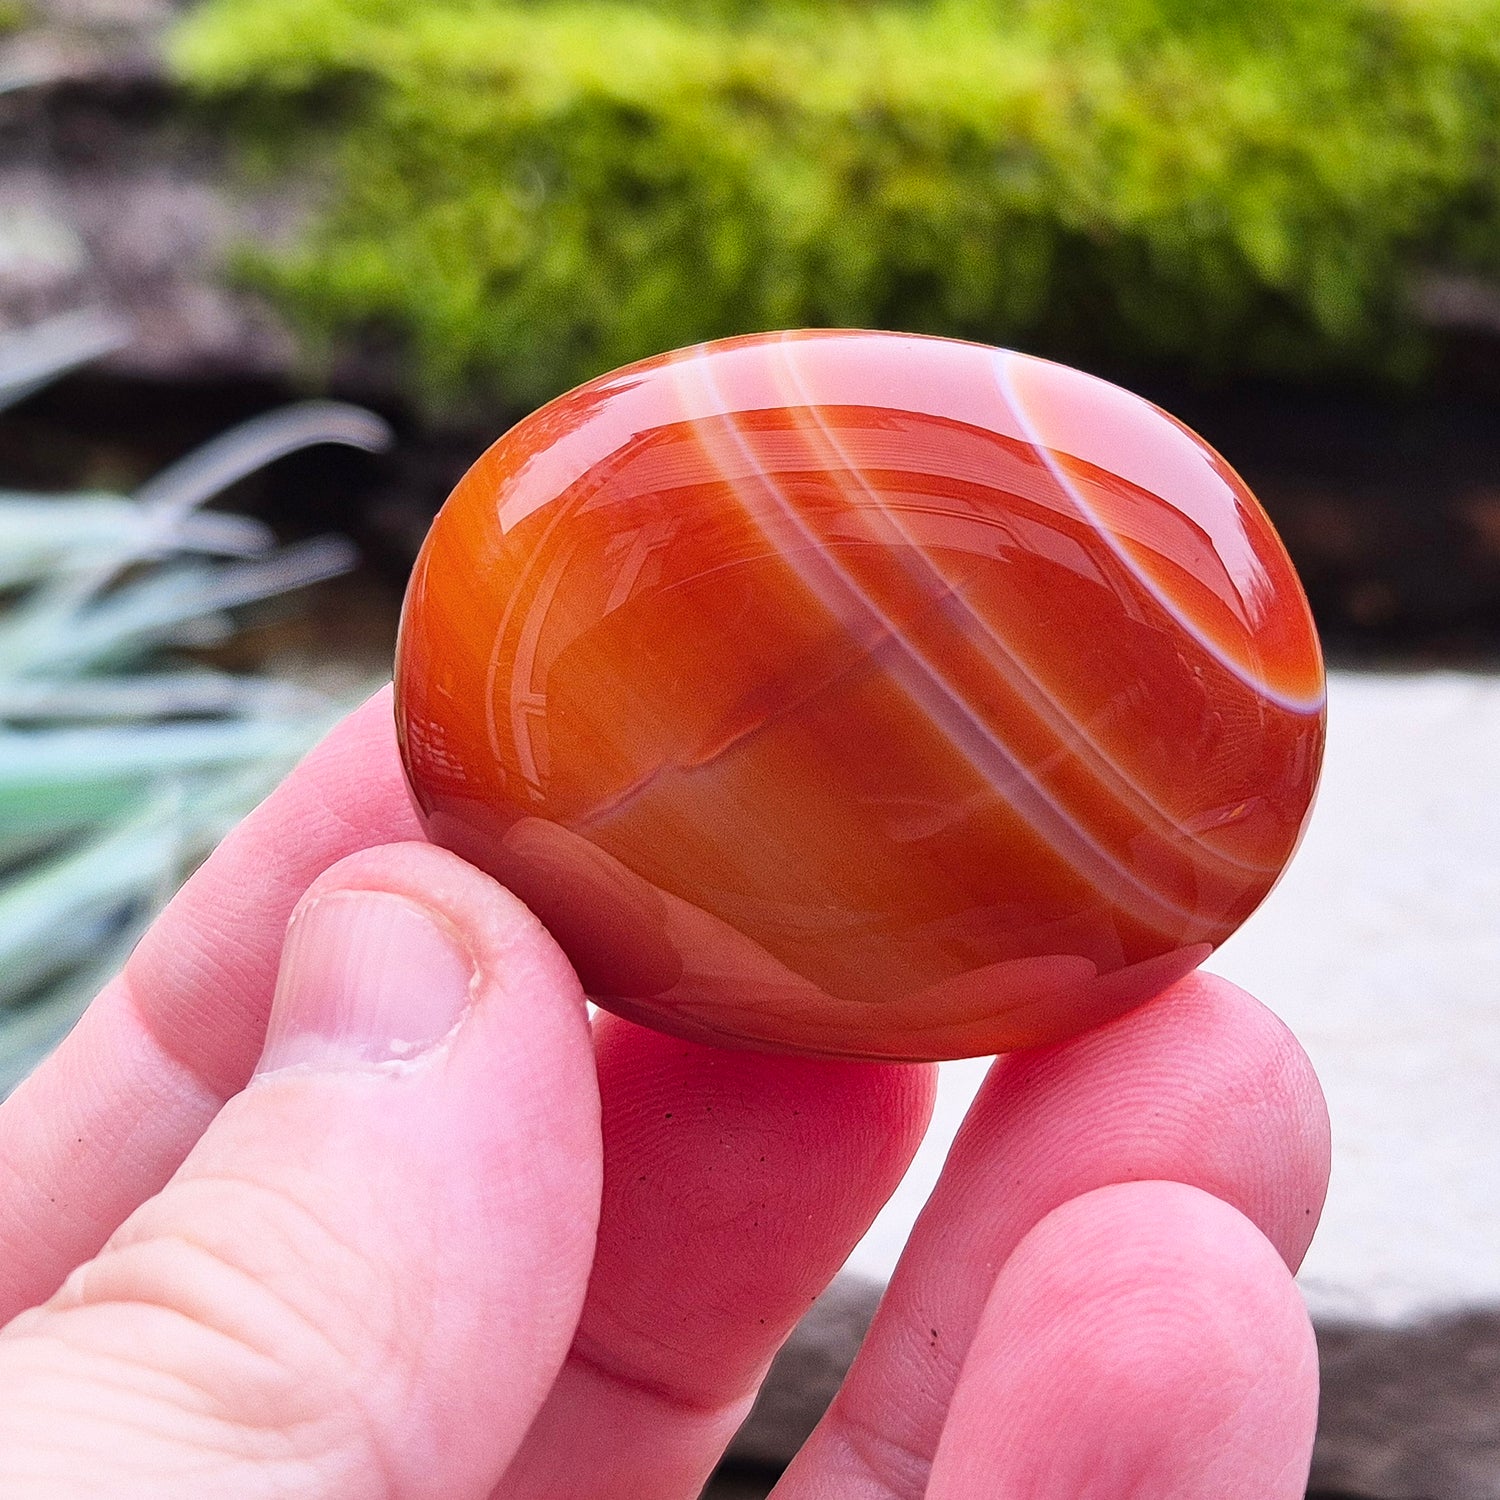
{"x":366,"y":1274}
{"x":735,"y":1184}
{"x":106,"y":1120}
{"x":1143,"y":1342}
{"x":1202,"y":1086}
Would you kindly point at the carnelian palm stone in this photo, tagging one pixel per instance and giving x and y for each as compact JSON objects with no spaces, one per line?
{"x":863,"y":694}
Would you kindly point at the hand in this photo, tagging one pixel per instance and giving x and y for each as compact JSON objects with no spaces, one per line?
{"x":429,"y":1237}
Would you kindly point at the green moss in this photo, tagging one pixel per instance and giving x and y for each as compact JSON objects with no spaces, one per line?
{"x":528,"y":193}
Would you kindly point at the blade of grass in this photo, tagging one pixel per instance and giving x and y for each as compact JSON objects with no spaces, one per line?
{"x":147,"y":696}
{"x":42,"y":537}
{"x":53,"y":634}
{"x":252,"y":445}
{"x":31,"y":359}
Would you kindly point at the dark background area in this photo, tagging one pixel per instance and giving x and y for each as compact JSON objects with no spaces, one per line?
{"x":1390,"y":508}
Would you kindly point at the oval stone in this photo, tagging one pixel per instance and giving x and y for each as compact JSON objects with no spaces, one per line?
{"x":863,"y":694}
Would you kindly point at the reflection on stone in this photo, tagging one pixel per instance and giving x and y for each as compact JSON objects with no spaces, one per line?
{"x":863,"y":694}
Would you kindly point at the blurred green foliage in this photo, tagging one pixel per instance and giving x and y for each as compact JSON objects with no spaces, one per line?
{"x":527,"y":193}
{"x":122,"y":759}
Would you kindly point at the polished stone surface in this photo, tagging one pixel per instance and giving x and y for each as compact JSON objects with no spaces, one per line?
{"x":863,"y":694}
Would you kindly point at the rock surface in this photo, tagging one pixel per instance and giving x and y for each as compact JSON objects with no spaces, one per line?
{"x":1381,"y":948}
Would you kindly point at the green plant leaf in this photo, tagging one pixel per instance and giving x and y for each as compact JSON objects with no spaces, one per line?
{"x":524,"y":193}
{"x":121,"y":764}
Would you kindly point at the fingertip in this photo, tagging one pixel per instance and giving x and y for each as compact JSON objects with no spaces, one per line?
{"x":1265,"y":1072}
{"x":509,"y":944}
{"x":736,"y":1183}
{"x":1143,"y":1339}
{"x":523,"y":1015}
{"x":1156,"y":1243}
{"x":1204,"y":1084}
{"x":844,"y":1132}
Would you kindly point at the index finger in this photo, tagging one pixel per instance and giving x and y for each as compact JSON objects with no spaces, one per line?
{"x":106,"y":1120}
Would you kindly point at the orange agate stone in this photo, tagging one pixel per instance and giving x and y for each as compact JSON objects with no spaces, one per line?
{"x":863,"y":694}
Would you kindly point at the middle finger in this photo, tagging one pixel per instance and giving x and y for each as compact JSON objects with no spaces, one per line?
{"x":735,"y":1185}
{"x":1203,"y":1086}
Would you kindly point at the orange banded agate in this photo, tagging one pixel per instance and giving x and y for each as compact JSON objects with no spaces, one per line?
{"x":863,"y":694}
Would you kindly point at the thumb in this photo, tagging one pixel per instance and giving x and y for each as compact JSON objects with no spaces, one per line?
{"x":364,"y":1278}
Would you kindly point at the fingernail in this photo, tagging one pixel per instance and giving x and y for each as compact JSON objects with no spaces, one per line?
{"x":366,"y":977}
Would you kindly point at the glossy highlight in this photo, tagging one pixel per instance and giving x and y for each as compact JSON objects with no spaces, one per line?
{"x":862,"y":693}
